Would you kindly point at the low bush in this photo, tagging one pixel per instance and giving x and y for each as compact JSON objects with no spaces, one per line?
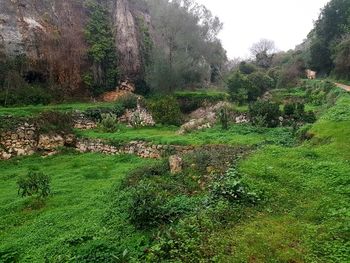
{"x":28,"y":95}
{"x":128,"y":101}
{"x":166,"y":110}
{"x":231,"y":187}
{"x":54,"y":122}
{"x":295,"y":112}
{"x":95,"y":114}
{"x":151,"y":207}
{"x":34,"y":183}
{"x":317,"y":91}
{"x":108,"y":122}
{"x":267,"y":111}
{"x":190,"y":101}
{"x":289,"y":109}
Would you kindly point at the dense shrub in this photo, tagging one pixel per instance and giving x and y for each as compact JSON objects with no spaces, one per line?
{"x":151,"y":207}
{"x":95,"y":114}
{"x":295,"y":113}
{"x":261,"y":83}
{"x":108,"y":122}
{"x":317,"y":91}
{"x":190,"y":101}
{"x":54,"y":122}
{"x":223,"y":116}
{"x":239,"y":85}
{"x":26,"y":95}
{"x":148,"y":171}
{"x":289,"y":109}
{"x":34,"y":183}
{"x":128,"y":101}
{"x":266,"y":110}
{"x":247,"y":68}
{"x":166,"y":110}
{"x":231,"y":187}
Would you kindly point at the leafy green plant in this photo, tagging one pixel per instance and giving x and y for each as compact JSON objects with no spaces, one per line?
{"x":261,"y":83}
{"x":238,"y":85}
{"x":108,"y":122}
{"x":289,"y":109}
{"x":128,"y":101}
{"x":34,"y":183}
{"x":223,"y":116}
{"x":266,"y":109}
{"x":96,"y":113}
{"x":166,"y":110}
{"x":231,"y":187}
{"x":147,"y":207}
{"x":190,"y":101}
{"x":101,"y":51}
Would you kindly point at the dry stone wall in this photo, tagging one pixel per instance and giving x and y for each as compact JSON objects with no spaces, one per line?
{"x":140,"y":148}
{"x":25,"y":140}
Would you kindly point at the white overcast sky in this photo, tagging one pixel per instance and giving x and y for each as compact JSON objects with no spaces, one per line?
{"x":287,"y":22}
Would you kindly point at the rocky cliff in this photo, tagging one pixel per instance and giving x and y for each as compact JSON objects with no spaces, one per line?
{"x":52,"y":31}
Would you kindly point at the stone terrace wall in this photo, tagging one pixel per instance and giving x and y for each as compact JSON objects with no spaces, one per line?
{"x":139,"y":148}
{"x":20,"y":141}
{"x":25,"y":140}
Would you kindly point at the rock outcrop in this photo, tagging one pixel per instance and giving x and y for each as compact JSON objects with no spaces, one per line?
{"x":32,"y":27}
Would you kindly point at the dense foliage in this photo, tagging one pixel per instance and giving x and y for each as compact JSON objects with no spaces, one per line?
{"x":103,"y":75}
{"x":166,"y":110}
{"x":329,"y":39}
{"x":34,"y":183}
{"x":265,"y":113}
{"x":189,"y":52}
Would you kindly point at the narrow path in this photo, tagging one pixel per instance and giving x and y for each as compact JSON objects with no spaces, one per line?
{"x":343,"y":86}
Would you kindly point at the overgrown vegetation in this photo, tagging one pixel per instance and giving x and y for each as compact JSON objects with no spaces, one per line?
{"x":166,"y":110}
{"x":103,"y":75}
{"x":34,"y":183}
{"x":138,"y":211}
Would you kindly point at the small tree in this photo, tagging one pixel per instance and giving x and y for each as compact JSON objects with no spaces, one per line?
{"x":109,"y":122}
{"x":223,"y":115}
{"x":34,"y":183}
{"x":261,"y":83}
{"x":238,"y":86}
{"x":263,"y":52}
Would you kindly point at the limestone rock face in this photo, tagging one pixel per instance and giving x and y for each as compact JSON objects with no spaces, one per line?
{"x":175,"y":164}
{"x":26,"y":26}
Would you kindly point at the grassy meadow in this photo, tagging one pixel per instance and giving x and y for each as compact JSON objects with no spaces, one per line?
{"x":283,"y":200}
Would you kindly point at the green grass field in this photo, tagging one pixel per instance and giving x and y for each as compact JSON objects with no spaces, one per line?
{"x":81,"y":185}
{"x":306,"y":216}
{"x":237,"y":135}
{"x":33,"y":110}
